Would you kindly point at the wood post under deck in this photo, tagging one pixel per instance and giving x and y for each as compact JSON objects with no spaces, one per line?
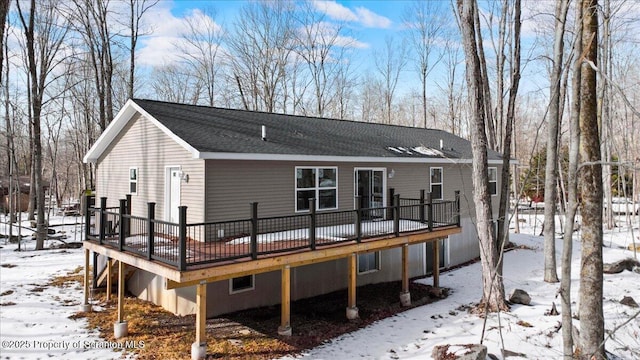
{"x":352,"y":309}
{"x":201,"y":314}
{"x":85,"y":304}
{"x":121,"y":291}
{"x":120,"y":328}
{"x":285,"y":304}
{"x":109,"y":278}
{"x":405,"y":295}
{"x":436,"y":263}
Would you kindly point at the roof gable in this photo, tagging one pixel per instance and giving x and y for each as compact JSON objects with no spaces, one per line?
{"x":217,"y":133}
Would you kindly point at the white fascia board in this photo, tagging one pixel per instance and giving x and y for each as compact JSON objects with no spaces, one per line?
{"x":331,"y":158}
{"x":123,"y":117}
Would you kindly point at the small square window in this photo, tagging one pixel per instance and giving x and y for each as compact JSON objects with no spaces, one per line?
{"x":241,"y":284}
{"x":368,"y":262}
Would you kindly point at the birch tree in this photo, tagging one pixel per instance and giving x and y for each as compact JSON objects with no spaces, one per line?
{"x":492,"y":285}
{"x":551,"y":170}
{"x":572,"y":196}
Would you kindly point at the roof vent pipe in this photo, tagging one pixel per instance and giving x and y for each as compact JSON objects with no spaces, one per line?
{"x":264,"y":133}
{"x":441,"y":144}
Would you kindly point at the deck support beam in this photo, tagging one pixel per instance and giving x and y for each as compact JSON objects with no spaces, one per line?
{"x":120,"y":328}
{"x":352,"y":309}
{"x":199,"y":347}
{"x":109,"y":278}
{"x":86,"y":307}
{"x":405,"y":295}
{"x":285,"y":315}
{"x":436,"y":263}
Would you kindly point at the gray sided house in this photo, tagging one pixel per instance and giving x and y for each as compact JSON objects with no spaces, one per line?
{"x":217,"y":162}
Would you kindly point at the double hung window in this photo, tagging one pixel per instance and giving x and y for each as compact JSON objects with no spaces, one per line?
{"x":320,"y":183}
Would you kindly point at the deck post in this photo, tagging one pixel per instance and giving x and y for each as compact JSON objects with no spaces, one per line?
{"x":120,"y":328}
{"x":285,"y":305}
{"x":422,"y":205}
{"x":199,"y":347}
{"x":358,"y":223}
{"x":436,"y":263}
{"x":87,"y":217}
{"x":457,"y":198}
{"x":127,"y":227}
{"x":405,"y":295}
{"x":109,"y":278}
{"x":182,"y":238}
{"x":121,"y":228}
{"x":312,"y":227}
{"x":151,"y":215}
{"x":86,"y":307}
{"x":396,"y":214}
{"x":430,"y":211}
{"x":352,"y":309}
{"x":392,"y":196}
{"x":103,"y":216}
{"x":254,"y":230}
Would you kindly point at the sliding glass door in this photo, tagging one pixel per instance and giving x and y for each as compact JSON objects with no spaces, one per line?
{"x":370,"y":186}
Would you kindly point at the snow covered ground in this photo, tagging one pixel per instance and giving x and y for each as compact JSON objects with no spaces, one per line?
{"x":38,"y":325}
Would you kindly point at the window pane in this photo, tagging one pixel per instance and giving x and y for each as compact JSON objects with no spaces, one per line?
{"x":493,"y":187}
{"x":302,"y":199}
{"x":436,"y":192}
{"x":242,"y":283}
{"x":493,"y":174}
{"x":306,"y":178}
{"x":327,"y":177}
{"x":133,"y":187}
{"x":327,"y":199}
{"x":133,"y":174}
{"x":436,"y":175}
{"x":367,"y":262}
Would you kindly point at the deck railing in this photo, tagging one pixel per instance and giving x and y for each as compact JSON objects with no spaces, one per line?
{"x":182,"y":245}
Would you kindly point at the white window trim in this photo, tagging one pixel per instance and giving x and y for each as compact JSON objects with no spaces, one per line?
{"x":378,"y":256}
{"x":317,"y":188}
{"x":496,"y":181}
{"x":384,"y":183}
{"x":134,"y":181}
{"x":441,"y":183}
{"x":253,"y":286}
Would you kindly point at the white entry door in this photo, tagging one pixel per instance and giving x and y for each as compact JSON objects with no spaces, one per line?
{"x":172,"y":194}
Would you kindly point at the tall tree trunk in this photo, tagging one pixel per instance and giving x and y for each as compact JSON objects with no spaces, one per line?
{"x":591,"y":314}
{"x":492,"y":285}
{"x":551,"y":170}
{"x":506,"y":145}
{"x":572,"y":201}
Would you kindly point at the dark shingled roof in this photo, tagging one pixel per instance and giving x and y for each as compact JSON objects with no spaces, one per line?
{"x":218,"y":130}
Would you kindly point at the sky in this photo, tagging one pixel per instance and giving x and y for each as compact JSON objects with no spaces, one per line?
{"x":367,"y":21}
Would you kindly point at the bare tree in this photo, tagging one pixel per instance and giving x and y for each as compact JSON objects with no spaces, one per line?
{"x":44,"y":31}
{"x":426,"y":24}
{"x":572,"y":196}
{"x":137,"y":9}
{"x":202,"y":50}
{"x":551,"y":173}
{"x":591,"y":314}
{"x":4,"y":11}
{"x":261,"y":46}
{"x":321,"y":45}
{"x":492,"y":285}
{"x":390,"y":64}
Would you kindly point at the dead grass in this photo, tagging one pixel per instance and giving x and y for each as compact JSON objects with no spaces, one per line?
{"x":249,"y":334}
{"x":70,"y":279}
